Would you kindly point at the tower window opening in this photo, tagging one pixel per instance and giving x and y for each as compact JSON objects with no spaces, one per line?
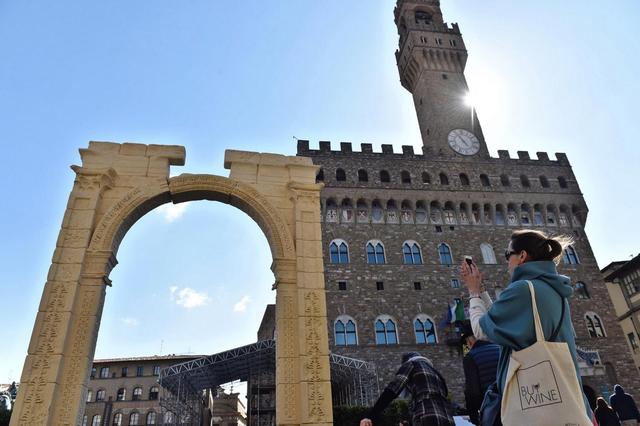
{"x":445,"y":77}
{"x":562,"y":182}
{"x":384,"y":176}
{"x":363,"y":176}
{"x":544,"y":181}
{"x":405,"y":177}
{"x":484,"y":180}
{"x":422,"y":17}
{"x":341,"y":176}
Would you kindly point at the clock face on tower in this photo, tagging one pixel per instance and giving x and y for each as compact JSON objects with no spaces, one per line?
{"x":463,"y":142}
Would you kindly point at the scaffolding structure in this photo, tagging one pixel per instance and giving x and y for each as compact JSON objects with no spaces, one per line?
{"x":353,"y":381}
{"x":184,"y":385}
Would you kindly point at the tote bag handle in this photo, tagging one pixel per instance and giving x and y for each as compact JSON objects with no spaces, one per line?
{"x":536,"y":316}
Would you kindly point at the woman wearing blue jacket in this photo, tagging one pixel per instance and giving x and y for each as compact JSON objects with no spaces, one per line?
{"x":532,"y":256}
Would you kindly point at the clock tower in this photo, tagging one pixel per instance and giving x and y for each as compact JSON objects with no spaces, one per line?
{"x":431,"y":59}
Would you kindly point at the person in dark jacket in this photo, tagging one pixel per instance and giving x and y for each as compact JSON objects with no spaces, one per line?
{"x":605,"y":414}
{"x":625,"y":406}
{"x":429,"y":405}
{"x":480,"y":365}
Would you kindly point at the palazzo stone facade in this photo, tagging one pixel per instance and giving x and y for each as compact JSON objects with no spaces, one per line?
{"x":396,"y":225}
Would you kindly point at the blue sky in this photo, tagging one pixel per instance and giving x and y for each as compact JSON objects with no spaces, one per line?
{"x":211,"y":75}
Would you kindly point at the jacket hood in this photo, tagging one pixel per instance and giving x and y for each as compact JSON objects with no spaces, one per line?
{"x":618,"y":389}
{"x":546,"y":271}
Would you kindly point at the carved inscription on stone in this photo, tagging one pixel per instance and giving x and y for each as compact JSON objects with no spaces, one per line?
{"x":108,"y":222}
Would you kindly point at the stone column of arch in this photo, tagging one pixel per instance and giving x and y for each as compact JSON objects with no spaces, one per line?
{"x":119,"y":183}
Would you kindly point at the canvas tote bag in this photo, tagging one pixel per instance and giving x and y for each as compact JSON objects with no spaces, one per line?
{"x":541,"y":387}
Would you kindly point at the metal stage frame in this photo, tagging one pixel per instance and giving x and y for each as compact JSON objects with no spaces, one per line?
{"x":184,"y":385}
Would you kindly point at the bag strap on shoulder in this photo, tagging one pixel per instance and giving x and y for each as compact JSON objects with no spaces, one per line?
{"x":536,"y":316}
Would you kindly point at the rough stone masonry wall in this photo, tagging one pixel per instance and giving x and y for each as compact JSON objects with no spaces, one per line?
{"x":401,"y":301}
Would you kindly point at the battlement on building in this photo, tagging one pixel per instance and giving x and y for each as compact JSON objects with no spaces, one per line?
{"x":408,"y":152}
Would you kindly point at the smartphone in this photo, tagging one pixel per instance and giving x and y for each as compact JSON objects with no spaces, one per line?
{"x":469,"y":260}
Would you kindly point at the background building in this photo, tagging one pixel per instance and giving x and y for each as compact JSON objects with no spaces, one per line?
{"x":396,"y":225}
{"x":125,"y":391}
{"x":623,"y":283}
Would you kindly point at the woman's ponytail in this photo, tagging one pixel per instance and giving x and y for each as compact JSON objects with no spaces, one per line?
{"x":538,"y":245}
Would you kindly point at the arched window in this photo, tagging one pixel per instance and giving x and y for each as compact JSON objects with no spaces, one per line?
{"x":151,"y":418}
{"x":384,"y":176}
{"x":570,"y":257}
{"x":377,"y":214}
{"x":499,"y":215}
{"x":386,"y":331}
{"x":362,"y":211}
{"x":117,"y":419}
{"x":581,"y":291}
{"x":423,"y":17}
{"x":346,"y":208}
{"x":444,"y":180}
{"x":449,"y":213}
{"x":89,"y":395}
{"x":85,"y":419}
{"x":484,"y":180}
{"x":345,"y":331}
{"x":406,"y":212}
{"x":363,"y":176}
{"x":338,"y":252}
{"x":168,"y":417}
{"x":341,"y":176}
{"x":331,"y":210}
{"x":562,"y":182}
{"x":405,"y":177}
{"x":137,"y":394}
{"x":488,"y":255}
{"x":504,"y":180}
{"x":445,"y":254}
{"x":464,"y":179}
{"x":320,"y":176}
{"x":375,"y":253}
{"x":134,"y":419}
{"x":121,"y":395}
{"x":594,"y":325}
{"x":544,"y":181}
{"x":426,"y":177}
{"x":425,"y":330}
{"x":411,"y":253}
{"x":537,"y":216}
{"x":524,"y":181}
{"x":96,"y":420}
{"x":153,"y":393}
{"x":100,"y":395}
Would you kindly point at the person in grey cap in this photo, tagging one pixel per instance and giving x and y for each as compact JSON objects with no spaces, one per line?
{"x":429,"y":404}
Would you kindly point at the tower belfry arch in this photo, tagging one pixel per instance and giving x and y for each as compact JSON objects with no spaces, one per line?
{"x":119,"y":183}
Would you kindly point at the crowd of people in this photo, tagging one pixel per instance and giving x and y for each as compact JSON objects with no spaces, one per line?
{"x":521,"y":366}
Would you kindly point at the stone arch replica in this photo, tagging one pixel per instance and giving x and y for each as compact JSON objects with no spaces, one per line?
{"x":115,"y":186}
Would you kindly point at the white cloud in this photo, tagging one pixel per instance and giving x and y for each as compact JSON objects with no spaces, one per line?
{"x":172,"y":211}
{"x":131,"y":322}
{"x":241,"y":306}
{"x":188,"y":297}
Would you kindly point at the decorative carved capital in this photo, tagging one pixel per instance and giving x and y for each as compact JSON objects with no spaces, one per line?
{"x":91,"y":180}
